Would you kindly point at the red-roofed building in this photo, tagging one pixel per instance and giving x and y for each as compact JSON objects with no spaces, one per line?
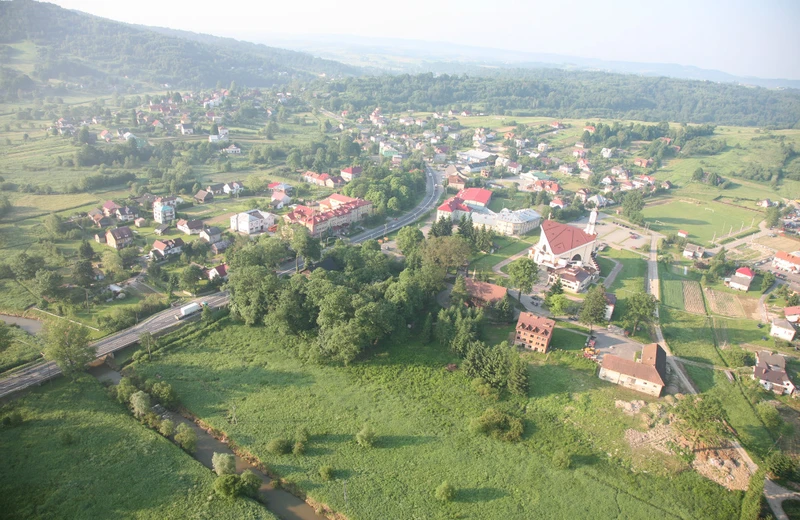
{"x":792,"y":313}
{"x":551,"y":187}
{"x":319,"y":179}
{"x":557,"y":203}
{"x":475,"y":196}
{"x":746,"y":271}
{"x":483,"y":293}
{"x":353,"y":172}
{"x":589,"y":129}
{"x":453,"y":208}
{"x":560,"y":244}
{"x":334,"y":215}
{"x":220,"y":271}
{"x":683,"y":234}
{"x":534,"y":332}
{"x":786,"y":262}
{"x":646,"y":376}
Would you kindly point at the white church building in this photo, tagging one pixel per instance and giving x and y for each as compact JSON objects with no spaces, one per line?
{"x":562,"y":244}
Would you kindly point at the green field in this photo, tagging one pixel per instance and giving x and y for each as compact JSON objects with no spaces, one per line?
{"x":630,"y":279}
{"x":79,"y":454}
{"x":420,"y":412}
{"x":702,"y":220}
{"x":689,"y":336}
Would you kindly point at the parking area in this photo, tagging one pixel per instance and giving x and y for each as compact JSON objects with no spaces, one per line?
{"x":606,"y":343}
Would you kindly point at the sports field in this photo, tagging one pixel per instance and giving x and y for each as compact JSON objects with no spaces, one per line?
{"x":702,"y":220}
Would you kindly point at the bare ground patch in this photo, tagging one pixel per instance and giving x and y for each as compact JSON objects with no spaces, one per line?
{"x":750,"y":307}
{"x":724,"y":303}
{"x":693,"y":297}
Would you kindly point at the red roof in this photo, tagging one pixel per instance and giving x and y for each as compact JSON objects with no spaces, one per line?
{"x":222,"y":270}
{"x":781,"y":255}
{"x":791,"y":311}
{"x":745,"y":271}
{"x":454,"y":204}
{"x":563,"y":238}
{"x":533,"y":323}
{"x":484,"y":291}
{"x":352,"y":170}
{"x":479,"y":195}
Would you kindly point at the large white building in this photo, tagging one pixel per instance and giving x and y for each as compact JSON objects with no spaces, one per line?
{"x":253,"y":221}
{"x":473,"y":202}
{"x":562,"y":244}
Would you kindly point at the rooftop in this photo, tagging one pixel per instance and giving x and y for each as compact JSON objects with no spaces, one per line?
{"x":563,"y":237}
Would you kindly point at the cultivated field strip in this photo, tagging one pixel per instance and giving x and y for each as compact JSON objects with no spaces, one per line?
{"x":693,"y":297}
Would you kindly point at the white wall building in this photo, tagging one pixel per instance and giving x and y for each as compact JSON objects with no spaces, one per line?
{"x":253,"y":221}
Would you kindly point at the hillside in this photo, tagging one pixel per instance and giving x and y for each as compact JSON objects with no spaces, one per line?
{"x":571,"y":94}
{"x":45,"y":42}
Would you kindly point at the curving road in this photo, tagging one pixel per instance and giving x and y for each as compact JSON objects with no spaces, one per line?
{"x":46,"y":370}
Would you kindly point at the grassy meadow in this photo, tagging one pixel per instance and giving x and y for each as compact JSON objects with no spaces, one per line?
{"x":421,"y":412}
{"x":78,"y":454}
{"x":703,"y":220}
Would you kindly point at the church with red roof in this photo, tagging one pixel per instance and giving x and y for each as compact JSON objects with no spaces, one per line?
{"x":560,"y":244}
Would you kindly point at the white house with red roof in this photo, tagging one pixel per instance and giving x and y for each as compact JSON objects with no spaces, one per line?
{"x":557,"y":203}
{"x":220,"y":271}
{"x":786,"y":262}
{"x":351,"y":173}
{"x":741,"y":279}
{"x":683,"y":234}
{"x":561,"y":244}
{"x":792,"y":313}
{"x":475,"y":196}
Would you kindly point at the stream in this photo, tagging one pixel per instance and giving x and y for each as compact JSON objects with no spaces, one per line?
{"x":28,"y":325}
{"x":282,"y":503}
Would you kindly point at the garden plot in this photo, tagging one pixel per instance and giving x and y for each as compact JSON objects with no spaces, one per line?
{"x":693,"y":297}
{"x":780,"y":243}
{"x":750,"y":307}
{"x":725,"y":304}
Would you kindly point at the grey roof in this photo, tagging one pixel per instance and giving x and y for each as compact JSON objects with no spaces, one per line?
{"x":213,"y":230}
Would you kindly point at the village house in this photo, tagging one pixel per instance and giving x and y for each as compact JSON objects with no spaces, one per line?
{"x":782,"y":329}
{"x":190,"y":227}
{"x":215,"y":189}
{"x":514,"y":168}
{"x":232,"y":188}
{"x":575,"y":279}
{"x":598,"y":200}
{"x":251,"y":222}
{"x":232,"y":149}
{"x":318,"y":179}
{"x":456,"y":182}
{"x":279,"y":199}
{"x":565,"y":169}
{"x":160,"y":230}
{"x":582,"y":194}
{"x":646,"y":375}
{"x":607,"y":153}
{"x":163,"y":213}
{"x":220,"y":247}
{"x":211,"y":234}
{"x":110,"y":208}
{"x":792,"y":314}
{"x":165,"y":248}
{"x":220,"y":271}
{"x":351,"y":173}
{"x":693,"y":251}
{"x":534,"y":332}
{"x":203,"y":196}
{"x":186,"y":128}
{"x":125,"y":214}
{"x":483,"y":293}
{"x":683,"y":234}
{"x":550,"y":187}
{"x":140,"y":222}
{"x":543,"y":147}
{"x":741,"y":279}
{"x":557,"y":203}
{"x":642,"y":163}
{"x":770,"y":372}
{"x":786,"y":262}
{"x":280,"y":186}
{"x":119,"y":238}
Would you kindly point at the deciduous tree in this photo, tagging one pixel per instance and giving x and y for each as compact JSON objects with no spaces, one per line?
{"x":523,"y":274}
{"x":67,"y":344}
{"x":593,"y":311}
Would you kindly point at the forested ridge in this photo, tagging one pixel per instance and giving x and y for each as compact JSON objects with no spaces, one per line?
{"x":571,"y":94}
{"x":75,"y":46}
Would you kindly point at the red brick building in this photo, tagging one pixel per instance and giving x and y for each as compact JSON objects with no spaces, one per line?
{"x":534,"y":332}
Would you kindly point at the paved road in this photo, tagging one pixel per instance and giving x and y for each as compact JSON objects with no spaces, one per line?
{"x":776,"y":494}
{"x":43,"y":371}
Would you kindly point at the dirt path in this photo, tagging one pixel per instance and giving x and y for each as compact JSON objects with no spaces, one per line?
{"x":776,"y":494}
{"x":613,"y":274}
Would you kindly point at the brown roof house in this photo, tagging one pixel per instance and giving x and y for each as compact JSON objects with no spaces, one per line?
{"x":534,"y":332}
{"x":770,"y":372}
{"x":646,"y":375}
{"x":483,"y":293}
{"x":120,"y":237}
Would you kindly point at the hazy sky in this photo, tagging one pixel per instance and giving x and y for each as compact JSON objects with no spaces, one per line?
{"x":747,"y":38}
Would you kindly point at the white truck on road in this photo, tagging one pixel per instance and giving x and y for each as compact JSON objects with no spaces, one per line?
{"x":188,"y":310}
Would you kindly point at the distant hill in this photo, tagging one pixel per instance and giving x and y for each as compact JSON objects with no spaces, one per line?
{"x":411,"y":56}
{"x":78,"y":47}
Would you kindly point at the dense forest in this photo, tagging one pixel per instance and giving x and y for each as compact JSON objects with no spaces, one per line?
{"x":78,"y":47}
{"x":558,"y":93}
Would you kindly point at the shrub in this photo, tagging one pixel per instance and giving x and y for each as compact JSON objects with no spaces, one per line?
{"x":251,"y":483}
{"x":779,"y":465}
{"x":366,"y":437}
{"x":562,"y":459}
{"x":164,"y":394}
{"x":498,"y":425}
{"x":140,"y":403}
{"x":301,"y":435}
{"x":166,"y":428}
{"x":186,"y":437}
{"x":445,"y":492}
{"x":125,"y":389}
{"x":299,"y":448}
{"x":228,"y":485}
{"x":484,"y":389}
{"x":12,"y":419}
{"x":223,"y":463}
{"x":279,"y":446}
{"x":326,"y":472}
